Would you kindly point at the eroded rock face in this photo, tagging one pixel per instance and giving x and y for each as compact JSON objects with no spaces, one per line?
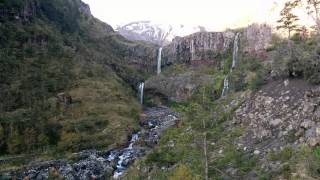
{"x":85,"y":8}
{"x":280,"y":115}
{"x":201,"y":47}
{"x":177,"y":88}
{"x":28,"y":10}
{"x":204,"y":47}
{"x":258,"y":39}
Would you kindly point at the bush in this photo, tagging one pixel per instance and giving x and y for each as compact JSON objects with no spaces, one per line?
{"x":298,"y":59}
{"x":284,"y":155}
{"x":249,"y":73}
{"x":183,"y":172}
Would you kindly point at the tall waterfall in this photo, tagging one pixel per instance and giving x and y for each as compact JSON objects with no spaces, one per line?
{"x":141,"y":89}
{"x":159,"y":61}
{"x":234,"y":62}
{"x":235,"y":51}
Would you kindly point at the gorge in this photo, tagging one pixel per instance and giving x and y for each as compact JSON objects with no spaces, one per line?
{"x":78,"y":100}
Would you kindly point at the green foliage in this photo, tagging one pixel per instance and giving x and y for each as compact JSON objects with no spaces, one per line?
{"x":11,"y":3}
{"x":250,"y":73}
{"x":183,"y":172}
{"x":300,"y":59}
{"x":284,"y":155}
{"x":58,"y":50}
{"x":15,"y":143}
{"x":288,"y":20}
{"x":317,"y":152}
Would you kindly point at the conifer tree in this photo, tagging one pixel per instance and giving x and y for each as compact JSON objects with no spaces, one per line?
{"x":288,"y":20}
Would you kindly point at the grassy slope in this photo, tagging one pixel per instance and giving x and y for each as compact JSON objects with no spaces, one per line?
{"x":41,"y":57}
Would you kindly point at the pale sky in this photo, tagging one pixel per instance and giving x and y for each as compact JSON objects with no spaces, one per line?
{"x":213,"y":14}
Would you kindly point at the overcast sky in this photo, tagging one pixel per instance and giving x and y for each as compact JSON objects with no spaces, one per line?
{"x":213,"y":14}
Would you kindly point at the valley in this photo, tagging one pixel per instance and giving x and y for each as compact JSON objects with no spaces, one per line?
{"x":80,"y":101}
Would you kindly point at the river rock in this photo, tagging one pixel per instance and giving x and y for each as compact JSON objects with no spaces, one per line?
{"x":95,"y":164}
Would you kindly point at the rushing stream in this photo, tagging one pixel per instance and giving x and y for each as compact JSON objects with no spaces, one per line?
{"x":92,"y":164}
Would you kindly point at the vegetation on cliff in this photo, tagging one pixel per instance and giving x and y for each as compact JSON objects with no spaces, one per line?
{"x":62,"y":79}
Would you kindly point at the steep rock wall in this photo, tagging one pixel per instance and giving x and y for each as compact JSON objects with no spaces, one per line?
{"x":205,"y":47}
{"x":258,"y":39}
{"x":201,"y":46}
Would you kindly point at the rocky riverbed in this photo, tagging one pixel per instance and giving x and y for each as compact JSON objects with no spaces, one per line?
{"x":94,"y":164}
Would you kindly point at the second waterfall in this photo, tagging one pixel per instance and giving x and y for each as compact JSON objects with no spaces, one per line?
{"x":234,"y":63}
{"x":141,"y":90}
{"x":159,"y":61}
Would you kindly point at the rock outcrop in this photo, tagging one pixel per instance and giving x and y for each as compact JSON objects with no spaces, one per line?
{"x":85,"y":9}
{"x":22,"y":10}
{"x":258,"y":39}
{"x":177,"y":88}
{"x":201,"y":47}
{"x":205,"y":47}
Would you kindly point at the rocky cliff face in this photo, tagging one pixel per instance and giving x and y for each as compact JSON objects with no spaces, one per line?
{"x":200,"y":47}
{"x":205,"y":47}
{"x":85,"y":8}
{"x":19,"y":10}
{"x":257,"y":40}
{"x":177,"y":88}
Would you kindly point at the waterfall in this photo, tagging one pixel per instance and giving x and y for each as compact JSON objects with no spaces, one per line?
{"x":159,"y":61}
{"x":234,"y":62}
{"x":235,"y":51}
{"x":141,"y":89}
{"x":225,"y":86}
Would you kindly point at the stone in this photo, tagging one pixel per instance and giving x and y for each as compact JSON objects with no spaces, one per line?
{"x":317,"y":113}
{"x":286,"y":82}
{"x":308,"y":107}
{"x":275,"y":122}
{"x":307,"y":124}
{"x":256,"y":152}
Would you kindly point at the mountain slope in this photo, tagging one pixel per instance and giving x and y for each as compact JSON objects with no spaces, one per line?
{"x":62,"y":78}
{"x":160,"y":34}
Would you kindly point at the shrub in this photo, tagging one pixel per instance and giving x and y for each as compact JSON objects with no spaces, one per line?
{"x":298,"y":59}
{"x":284,"y":155}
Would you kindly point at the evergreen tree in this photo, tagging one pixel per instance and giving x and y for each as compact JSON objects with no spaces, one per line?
{"x":288,"y":20}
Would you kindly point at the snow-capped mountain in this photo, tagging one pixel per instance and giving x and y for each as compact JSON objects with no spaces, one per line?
{"x":157,"y":33}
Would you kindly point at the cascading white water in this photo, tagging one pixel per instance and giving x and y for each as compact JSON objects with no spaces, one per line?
{"x":234,"y":63}
{"x":235,"y":51}
{"x":126,"y":154}
{"x":141,"y":89}
{"x":159,"y":61}
{"x":225,"y":85}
